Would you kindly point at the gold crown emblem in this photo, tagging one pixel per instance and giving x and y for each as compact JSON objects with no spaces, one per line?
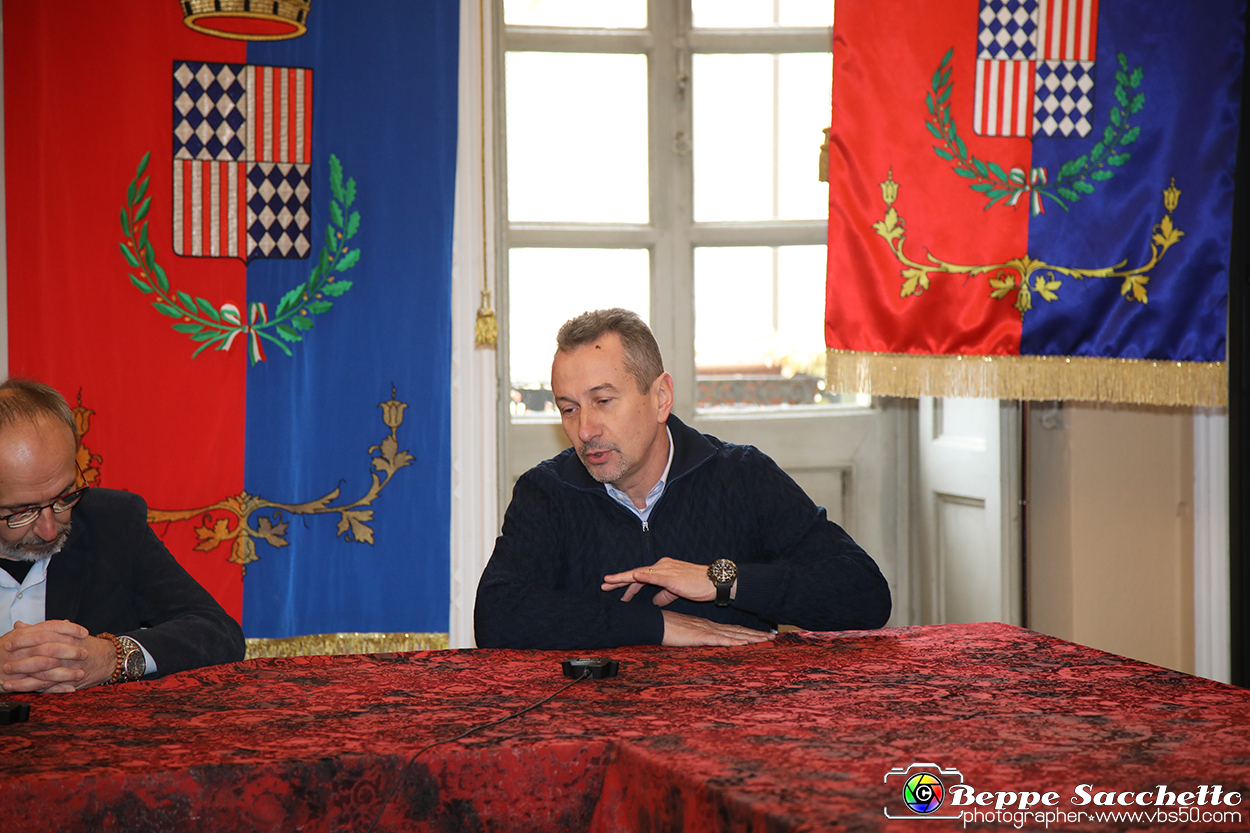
{"x":247,"y":19}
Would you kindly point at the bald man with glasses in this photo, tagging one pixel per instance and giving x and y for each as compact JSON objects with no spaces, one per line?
{"x":88,"y":594}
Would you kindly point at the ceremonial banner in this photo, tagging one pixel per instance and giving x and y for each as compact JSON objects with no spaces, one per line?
{"x":234,"y":257}
{"x":1032,"y":199}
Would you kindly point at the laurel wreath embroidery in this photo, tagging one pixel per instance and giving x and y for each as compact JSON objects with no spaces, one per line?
{"x":1076,"y":176}
{"x":219,"y":325}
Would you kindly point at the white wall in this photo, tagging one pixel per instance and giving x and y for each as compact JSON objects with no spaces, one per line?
{"x":1113,"y":548}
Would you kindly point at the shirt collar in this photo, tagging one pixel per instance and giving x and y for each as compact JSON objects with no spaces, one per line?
{"x":656,"y":490}
{"x":38,"y":573}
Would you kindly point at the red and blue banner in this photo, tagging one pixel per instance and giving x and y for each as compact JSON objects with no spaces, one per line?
{"x":261,"y":346}
{"x":1032,"y":198}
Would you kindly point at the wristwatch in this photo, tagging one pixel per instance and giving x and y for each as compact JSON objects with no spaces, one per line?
{"x":131,"y":664}
{"x":723,"y":573}
{"x":134,"y":664}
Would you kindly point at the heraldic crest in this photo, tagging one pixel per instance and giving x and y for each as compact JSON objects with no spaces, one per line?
{"x":1029,"y":82}
{"x":242,"y":189}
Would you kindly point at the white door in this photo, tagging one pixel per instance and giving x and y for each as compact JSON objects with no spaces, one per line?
{"x":969,"y":512}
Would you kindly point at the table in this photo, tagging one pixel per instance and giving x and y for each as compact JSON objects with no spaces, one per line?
{"x":797,"y":735}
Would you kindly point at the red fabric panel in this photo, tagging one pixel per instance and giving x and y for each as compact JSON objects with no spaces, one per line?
{"x":308,"y":93}
{"x":291,"y":101}
{"x":206,"y":210}
{"x":241,"y":212}
{"x":188,"y":202}
{"x":796,"y":735}
{"x":83,"y":104}
{"x":881,"y":75}
{"x":262,"y":152}
{"x":221,"y":203}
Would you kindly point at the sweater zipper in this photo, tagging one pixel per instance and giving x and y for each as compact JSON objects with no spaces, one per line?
{"x":646,"y":542}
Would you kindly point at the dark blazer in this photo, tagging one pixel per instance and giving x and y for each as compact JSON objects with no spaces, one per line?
{"x":115,"y":575}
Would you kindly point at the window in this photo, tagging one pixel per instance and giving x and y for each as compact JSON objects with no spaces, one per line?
{"x":662,"y":156}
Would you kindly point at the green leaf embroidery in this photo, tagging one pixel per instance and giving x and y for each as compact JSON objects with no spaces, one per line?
{"x":202,"y":320}
{"x":349,"y":260}
{"x":208,"y":308}
{"x":130,"y":258}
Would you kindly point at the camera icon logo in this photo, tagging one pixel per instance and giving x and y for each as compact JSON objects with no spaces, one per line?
{"x":920,"y":791}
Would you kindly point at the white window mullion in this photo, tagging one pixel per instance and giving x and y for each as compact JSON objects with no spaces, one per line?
{"x":672,"y":288}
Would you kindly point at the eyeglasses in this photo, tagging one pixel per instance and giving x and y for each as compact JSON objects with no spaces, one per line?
{"x":26,"y":517}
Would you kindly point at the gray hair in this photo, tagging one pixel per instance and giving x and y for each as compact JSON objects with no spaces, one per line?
{"x":642,"y":355}
{"x":26,"y":399}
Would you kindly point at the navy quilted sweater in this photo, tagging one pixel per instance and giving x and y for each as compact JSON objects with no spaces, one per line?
{"x":563,"y":533}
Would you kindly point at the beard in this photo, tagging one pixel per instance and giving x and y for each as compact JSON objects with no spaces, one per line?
{"x":32,"y":548}
{"x":604,"y":473}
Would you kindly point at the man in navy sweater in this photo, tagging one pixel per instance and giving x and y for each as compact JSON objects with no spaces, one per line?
{"x":648,"y":532}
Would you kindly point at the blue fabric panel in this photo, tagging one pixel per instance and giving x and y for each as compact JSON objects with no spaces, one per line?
{"x":384,"y":103}
{"x":1190,"y":55}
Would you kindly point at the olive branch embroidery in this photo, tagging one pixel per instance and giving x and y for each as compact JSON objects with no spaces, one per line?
{"x":1074,"y":179}
{"x":218,"y":326}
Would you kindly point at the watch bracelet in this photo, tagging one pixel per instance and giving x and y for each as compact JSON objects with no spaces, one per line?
{"x":118,"y":664}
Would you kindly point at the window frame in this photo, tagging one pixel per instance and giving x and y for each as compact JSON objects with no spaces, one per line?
{"x":671,"y":235}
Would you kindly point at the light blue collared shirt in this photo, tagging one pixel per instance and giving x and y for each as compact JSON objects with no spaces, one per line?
{"x":25,"y":602}
{"x":656,"y":490}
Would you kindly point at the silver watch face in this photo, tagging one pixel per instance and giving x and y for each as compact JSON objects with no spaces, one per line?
{"x":135,"y":664}
{"x":722,"y":570}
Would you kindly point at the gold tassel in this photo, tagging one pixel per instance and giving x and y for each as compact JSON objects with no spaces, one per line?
{"x":486,"y":328}
{"x":822,"y":166}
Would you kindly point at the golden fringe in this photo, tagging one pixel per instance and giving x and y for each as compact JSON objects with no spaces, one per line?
{"x":322,"y":644}
{"x":1138,"y":381}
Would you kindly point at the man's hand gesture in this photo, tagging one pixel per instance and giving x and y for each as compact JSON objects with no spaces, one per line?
{"x":683,"y":580}
{"x":677,"y":580}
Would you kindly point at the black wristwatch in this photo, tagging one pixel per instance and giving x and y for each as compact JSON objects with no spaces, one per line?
{"x":723,"y":573}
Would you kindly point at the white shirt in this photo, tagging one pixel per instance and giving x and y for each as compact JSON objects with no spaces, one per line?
{"x":27,"y":602}
{"x":656,"y":490}
{"x":24,"y":602}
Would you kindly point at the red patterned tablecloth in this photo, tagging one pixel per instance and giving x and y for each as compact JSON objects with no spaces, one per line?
{"x":797,"y":735}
